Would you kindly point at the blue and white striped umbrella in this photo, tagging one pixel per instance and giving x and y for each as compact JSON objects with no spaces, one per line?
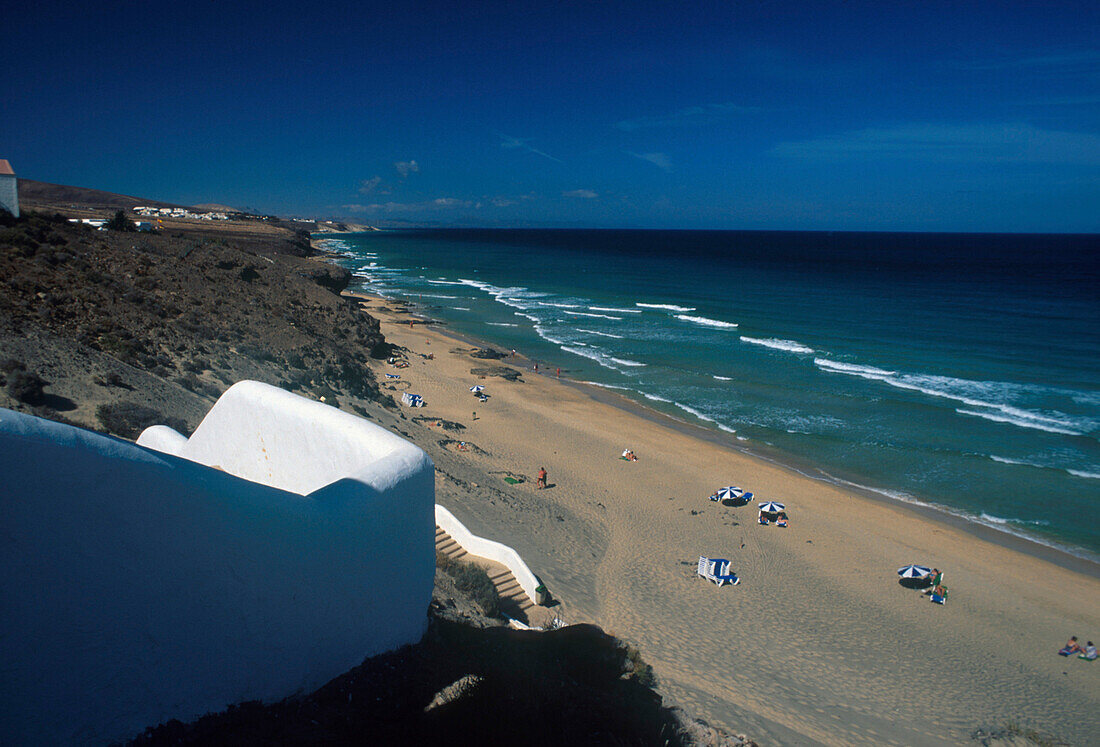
{"x":771,"y":507}
{"x":914,"y":571}
{"x":729,"y":493}
{"x":476,"y":389}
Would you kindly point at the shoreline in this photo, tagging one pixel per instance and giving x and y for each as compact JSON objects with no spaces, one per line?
{"x":1085,"y":563}
{"x":806,"y":648}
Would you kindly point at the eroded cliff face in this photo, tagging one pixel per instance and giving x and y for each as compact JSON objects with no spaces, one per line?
{"x":109,"y":323}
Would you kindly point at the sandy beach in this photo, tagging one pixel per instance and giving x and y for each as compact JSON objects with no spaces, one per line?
{"x":819,"y":643}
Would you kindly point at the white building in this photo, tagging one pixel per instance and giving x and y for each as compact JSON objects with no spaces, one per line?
{"x":9,"y":189}
{"x":276,"y":548}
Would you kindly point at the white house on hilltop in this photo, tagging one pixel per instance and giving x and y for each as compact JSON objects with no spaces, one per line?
{"x":277,"y":547}
{"x":9,"y":189}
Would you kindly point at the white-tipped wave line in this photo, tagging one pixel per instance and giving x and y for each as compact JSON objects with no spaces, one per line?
{"x":593,"y":316}
{"x":614,"y":309}
{"x":927,"y":384}
{"x":665,"y":306}
{"x":1017,"y":421}
{"x":789,"y":346}
{"x":707,"y":322}
{"x":601,"y":334}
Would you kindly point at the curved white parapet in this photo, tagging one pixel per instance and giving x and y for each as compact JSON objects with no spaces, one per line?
{"x":268,"y":435}
{"x":163,"y":439}
{"x":486,"y":548}
{"x":140,"y":587}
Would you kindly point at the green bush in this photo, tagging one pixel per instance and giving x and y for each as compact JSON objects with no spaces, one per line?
{"x":121,"y":223}
{"x":636,"y":669}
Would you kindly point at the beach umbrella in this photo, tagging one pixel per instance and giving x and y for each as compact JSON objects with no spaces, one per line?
{"x":476,"y":389}
{"x":729,"y":493}
{"x":914,"y":571}
{"x":771,"y":507}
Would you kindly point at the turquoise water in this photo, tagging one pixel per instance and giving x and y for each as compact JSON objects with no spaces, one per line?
{"x":961,"y":371}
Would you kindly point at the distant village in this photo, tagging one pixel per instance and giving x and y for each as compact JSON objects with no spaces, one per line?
{"x":155,"y":212}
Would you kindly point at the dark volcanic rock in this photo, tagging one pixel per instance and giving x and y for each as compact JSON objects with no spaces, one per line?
{"x":488,"y":354}
{"x":331,"y":277}
{"x":504,"y":372}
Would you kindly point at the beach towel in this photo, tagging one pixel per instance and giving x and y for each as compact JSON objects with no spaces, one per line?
{"x":511,"y":481}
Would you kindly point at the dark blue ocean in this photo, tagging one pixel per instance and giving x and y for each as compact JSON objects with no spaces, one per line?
{"x":961,"y":371}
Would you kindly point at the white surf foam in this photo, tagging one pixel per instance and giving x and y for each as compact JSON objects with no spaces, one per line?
{"x":788,"y":345}
{"x":866,"y":372}
{"x":665,"y":306}
{"x":722,"y":378}
{"x":601,"y":334}
{"x":655,"y":398}
{"x":608,"y":386}
{"x":433,"y":295}
{"x":612,"y":308}
{"x":595,"y":316}
{"x":541,"y":332}
{"x":704,"y":321}
{"x":444,"y":282}
{"x":501,"y":324}
{"x":591,"y":354}
{"x":560,"y":305}
{"x":988,"y":396}
{"x":1021,"y":422}
{"x":1006,"y":460}
{"x":516,"y":297}
{"x":1001,"y":522}
{"x":626,"y":362}
{"x":1083,"y":473}
{"x":694,"y":412}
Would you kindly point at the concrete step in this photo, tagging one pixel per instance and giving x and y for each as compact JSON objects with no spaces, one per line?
{"x":508,"y":589}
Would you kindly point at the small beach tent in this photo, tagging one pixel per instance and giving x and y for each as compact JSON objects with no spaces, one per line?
{"x":477,"y":389}
{"x":771,"y":507}
{"x":729,"y":493}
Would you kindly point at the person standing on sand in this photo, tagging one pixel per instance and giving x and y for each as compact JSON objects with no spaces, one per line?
{"x":540,"y":483}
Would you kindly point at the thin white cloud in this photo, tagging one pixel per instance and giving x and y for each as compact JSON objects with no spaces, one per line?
{"x":369,"y":186}
{"x":660,"y":160}
{"x":404,"y":168}
{"x":690,"y":116}
{"x":584,"y":194}
{"x":937,"y":143}
{"x":514,"y":143}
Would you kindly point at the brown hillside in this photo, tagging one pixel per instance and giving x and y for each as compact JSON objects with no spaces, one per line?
{"x":46,"y":196}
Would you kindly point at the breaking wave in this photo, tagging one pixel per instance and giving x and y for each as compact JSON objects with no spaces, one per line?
{"x":788,"y":345}
{"x":704,"y":321}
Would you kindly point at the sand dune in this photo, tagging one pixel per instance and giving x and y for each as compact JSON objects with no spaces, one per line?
{"x":819,"y":643}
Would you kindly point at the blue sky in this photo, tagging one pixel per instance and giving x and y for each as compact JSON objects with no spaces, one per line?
{"x":734,"y":114}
